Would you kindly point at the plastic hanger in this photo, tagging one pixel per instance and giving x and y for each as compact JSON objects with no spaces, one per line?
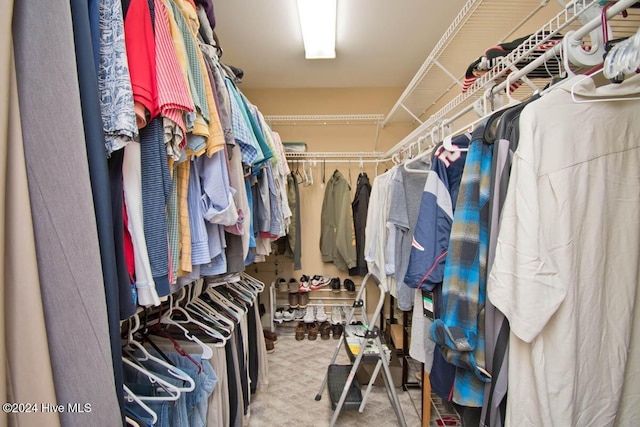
{"x":419,"y":156}
{"x":131,"y":397}
{"x":173,"y":392}
{"x":145,"y":355}
{"x":592,"y":100}
{"x":166,"y":319}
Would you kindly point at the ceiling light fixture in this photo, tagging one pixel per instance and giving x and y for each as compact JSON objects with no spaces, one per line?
{"x":318,"y":22}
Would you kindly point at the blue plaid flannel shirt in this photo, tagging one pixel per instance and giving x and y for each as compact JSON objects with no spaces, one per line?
{"x":459,"y":331}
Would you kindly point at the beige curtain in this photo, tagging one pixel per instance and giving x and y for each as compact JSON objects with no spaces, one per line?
{"x":24,"y":351}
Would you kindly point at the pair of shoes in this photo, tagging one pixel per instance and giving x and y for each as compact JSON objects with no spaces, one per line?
{"x":349,"y":286}
{"x":301,"y":330}
{"x":281,"y":285}
{"x":304,"y":284}
{"x":293,"y":286}
{"x":310,"y":315}
{"x":270,"y":335}
{"x":337,"y":331}
{"x":335,"y":284}
{"x":325,"y":330}
{"x":312,"y":332}
{"x":318,"y":282}
{"x":288,"y":315}
{"x":336,"y":315}
{"x":270,"y":345}
{"x":294,"y":300}
{"x":303,"y":299}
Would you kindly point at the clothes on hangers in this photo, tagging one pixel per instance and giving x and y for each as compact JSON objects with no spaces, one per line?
{"x":360,"y":207}
{"x":570,"y":271}
{"x":337,"y":240}
{"x":376,"y":229}
{"x":403,"y":216}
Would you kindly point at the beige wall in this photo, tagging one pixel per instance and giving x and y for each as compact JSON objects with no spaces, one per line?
{"x":330,"y":137}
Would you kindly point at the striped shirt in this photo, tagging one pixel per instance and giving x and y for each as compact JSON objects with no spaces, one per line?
{"x":174,"y":98}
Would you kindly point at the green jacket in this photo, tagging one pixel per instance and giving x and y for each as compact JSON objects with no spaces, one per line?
{"x":337,"y":235}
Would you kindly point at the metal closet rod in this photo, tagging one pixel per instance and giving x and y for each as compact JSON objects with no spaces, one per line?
{"x":426,"y":127}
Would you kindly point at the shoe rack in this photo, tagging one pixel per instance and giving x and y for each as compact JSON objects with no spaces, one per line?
{"x":324,"y":296}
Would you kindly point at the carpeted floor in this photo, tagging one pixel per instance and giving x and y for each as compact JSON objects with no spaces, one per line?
{"x":296,"y":371}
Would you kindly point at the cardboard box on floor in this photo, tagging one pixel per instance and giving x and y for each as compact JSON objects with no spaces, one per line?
{"x":365,"y":371}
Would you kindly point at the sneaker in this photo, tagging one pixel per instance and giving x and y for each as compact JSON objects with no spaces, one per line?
{"x":288,"y":314}
{"x":269,"y":344}
{"x":281,"y":285}
{"x":318,"y":282}
{"x":301,"y":330}
{"x":278,"y":316}
{"x":313,"y":331}
{"x":349,"y":286}
{"x":303,"y":299}
{"x":335,"y":284}
{"x":294,"y":300}
{"x":310,"y":316}
{"x":298,"y":314}
{"x":293,"y":286}
{"x":304,"y":284}
{"x":321,"y":315}
{"x":344,"y":313}
{"x":336,"y":315}
{"x":325,"y":330}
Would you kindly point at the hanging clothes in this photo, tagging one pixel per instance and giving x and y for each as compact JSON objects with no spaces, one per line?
{"x":337,"y":240}
{"x":459,"y":329}
{"x":360,"y":207}
{"x":561,"y":272}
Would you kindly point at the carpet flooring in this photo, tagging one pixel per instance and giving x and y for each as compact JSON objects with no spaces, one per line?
{"x":296,"y":372}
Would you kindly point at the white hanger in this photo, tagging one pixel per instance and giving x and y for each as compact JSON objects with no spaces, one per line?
{"x":592,"y":100}
{"x":129,"y":395}
{"x":174,"y":371}
{"x":173,"y":391}
{"x":424,"y":153}
{"x":166,"y":319}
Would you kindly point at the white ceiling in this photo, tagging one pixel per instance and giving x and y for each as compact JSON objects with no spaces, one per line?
{"x":380,"y":43}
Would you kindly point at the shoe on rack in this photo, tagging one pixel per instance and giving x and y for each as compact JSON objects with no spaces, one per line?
{"x":318,"y":282}
{"x":303,"y":299}
{"x":304,"y":284}
{"x":344,"y":310}
{"x":337,"y":331}
{"x":301,"y":330}
{"x":294,"y":287}
{"x":268,"y":335}
{"x":325,"y":330}
{"x":313,"y":331}
{"x":287,"y":315}
{"x":349,"y":286}
{"x":336,"y":315}
{"x":269,"y":344}
{"x":298,"y":314}
{"x":310,"y":316}
{"x":335,"y":284}
{"x":281,"y":285}
{"x":278,"y":316}
{"x":294,"y":300}
{"x":321,"y":315}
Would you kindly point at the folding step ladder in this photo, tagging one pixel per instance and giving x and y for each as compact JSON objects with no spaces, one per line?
{"x":344,"y":389}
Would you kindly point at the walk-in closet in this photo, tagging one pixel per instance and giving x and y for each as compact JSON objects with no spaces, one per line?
{"x":320,"y":213}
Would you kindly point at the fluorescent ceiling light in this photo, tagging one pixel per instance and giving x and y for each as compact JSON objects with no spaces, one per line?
{"x":318,"y":22}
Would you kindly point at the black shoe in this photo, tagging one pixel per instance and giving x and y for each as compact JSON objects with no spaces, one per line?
{"x":335,"y":284}
{"x":349,"y":285}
